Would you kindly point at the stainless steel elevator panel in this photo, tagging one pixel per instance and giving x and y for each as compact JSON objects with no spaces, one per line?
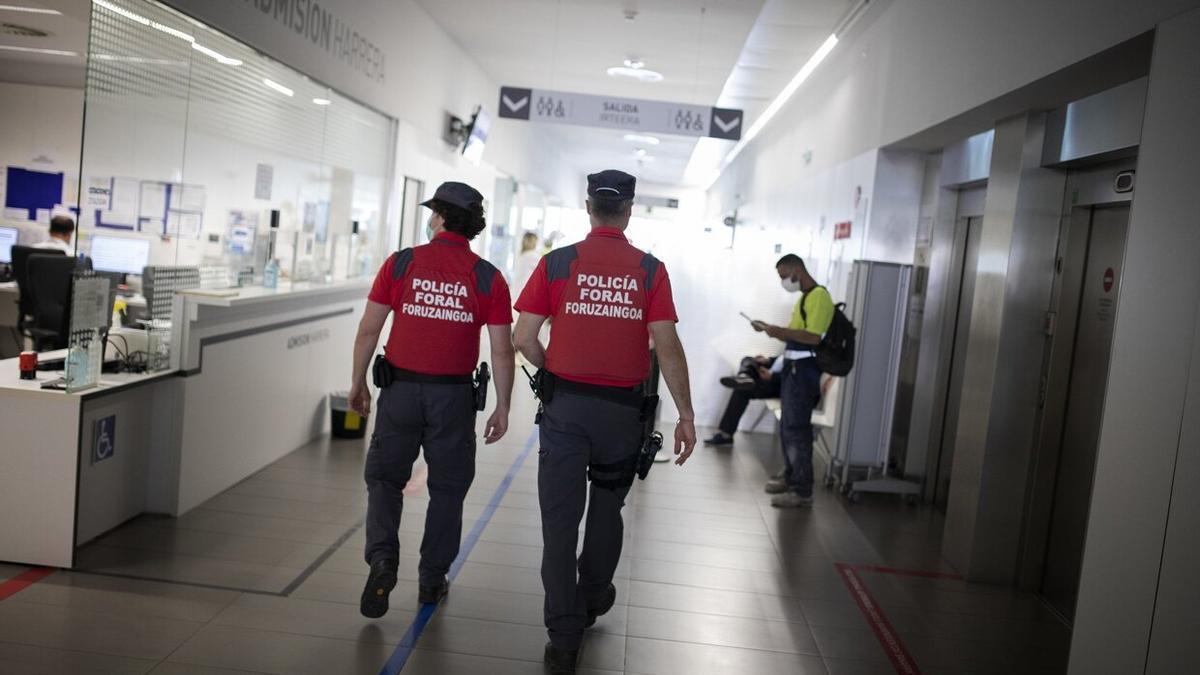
{"x":1099,"y":277}
{"x":965,"y":266}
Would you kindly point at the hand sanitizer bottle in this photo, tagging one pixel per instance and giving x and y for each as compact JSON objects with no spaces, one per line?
{"x":271,"y":274}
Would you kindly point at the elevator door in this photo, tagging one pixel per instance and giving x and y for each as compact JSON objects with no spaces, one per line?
{"x":1088,"y":376}
{"x":967,"y":241}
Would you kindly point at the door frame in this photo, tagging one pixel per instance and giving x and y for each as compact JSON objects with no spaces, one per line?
{"x":1087,"y":189}
{"x":969,"y":204}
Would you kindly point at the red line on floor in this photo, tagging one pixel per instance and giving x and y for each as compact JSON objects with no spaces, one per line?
{"x":23,"y":580}
{"x":884,"y":632}
{"x":909,"y":573}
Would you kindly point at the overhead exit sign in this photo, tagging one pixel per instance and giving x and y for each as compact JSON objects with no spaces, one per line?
{"x":628,"y":114}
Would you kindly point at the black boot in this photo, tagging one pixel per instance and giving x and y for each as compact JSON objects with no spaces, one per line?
{"x":380,"y":582}
{"x":560,"y":661}
{"x":433,"y":594}
{"x":599,"y":605}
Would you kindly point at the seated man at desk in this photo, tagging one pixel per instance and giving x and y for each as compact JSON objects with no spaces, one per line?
{"x":62,"y":228}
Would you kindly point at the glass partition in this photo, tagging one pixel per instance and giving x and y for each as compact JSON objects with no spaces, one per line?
{"x":210,"y":164}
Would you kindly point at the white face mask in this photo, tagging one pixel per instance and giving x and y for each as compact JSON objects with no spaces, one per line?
{"x":790,"y":285}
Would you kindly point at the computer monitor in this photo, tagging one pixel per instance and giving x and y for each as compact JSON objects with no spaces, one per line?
{"x":120,"y":254}
{"x":8,"y":238}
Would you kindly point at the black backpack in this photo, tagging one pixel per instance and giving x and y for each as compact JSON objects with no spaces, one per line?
{"x":835,"y":354}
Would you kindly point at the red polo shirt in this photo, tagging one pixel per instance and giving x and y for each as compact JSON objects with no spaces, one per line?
{"x":608,"y":322}
{"x":441,"y":295}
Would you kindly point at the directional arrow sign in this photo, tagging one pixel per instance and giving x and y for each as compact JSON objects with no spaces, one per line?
{"x":514,"y":103}
{"x":557,"y":107}
{"x":726,"y":124}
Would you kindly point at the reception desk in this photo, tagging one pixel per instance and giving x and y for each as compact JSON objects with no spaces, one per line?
{"x":248,"y":383}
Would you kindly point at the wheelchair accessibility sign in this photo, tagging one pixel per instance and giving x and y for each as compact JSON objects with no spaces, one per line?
{"x":104,"y":440}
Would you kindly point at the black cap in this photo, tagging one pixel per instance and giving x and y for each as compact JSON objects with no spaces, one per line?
{"x":611,"y":184}
{"x":459,"y":194}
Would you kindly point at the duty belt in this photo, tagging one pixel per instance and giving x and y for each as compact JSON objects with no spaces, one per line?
{"x":402,"y":375}
{"x":632,"y":397}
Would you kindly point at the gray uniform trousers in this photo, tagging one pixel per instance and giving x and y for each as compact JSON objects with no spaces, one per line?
{"x":441,"y":419}
{"x":577,"y":430}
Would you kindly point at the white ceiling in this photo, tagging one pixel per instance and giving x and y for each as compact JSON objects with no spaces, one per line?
{"x":786,"y":34}
{"x":733,"y":53}
{"x":66,"y":31}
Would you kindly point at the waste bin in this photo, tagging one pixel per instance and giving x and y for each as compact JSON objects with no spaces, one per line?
{"x":344,"y":422}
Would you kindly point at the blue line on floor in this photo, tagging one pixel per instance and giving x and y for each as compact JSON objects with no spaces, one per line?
{"x":407,"y":643}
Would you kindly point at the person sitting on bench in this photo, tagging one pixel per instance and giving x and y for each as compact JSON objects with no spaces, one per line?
{"x":757,"y":378}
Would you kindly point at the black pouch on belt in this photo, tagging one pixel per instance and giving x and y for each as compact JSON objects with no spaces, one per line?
{"x":381,"y":372}
{"x":482,"y":377}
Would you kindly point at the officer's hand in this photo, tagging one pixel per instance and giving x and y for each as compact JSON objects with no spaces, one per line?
{"x":764,"y":373}
{"x":759,"y":326}
{"x":497,"y":426}
{"x":761,"y":360}
{"x":685,"y":440}
{"x":360,"y":399}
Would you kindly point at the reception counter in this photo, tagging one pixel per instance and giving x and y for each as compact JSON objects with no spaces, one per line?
{"x":248,"y":383}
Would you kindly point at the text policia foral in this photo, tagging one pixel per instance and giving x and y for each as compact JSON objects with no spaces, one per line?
{"x":441,"y":300}
{"x":606,"y":296}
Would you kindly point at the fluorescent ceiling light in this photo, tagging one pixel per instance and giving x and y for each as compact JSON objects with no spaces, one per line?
{"x":172,"y":31}
{"x":136,"y":59}
{"x":220,"y":58}
{"x":37,"y":50}
{"x":322,"y":101}
{"x":783,"y":97}
{"x":278,"y":87}
{"x":640,"y":152}
{"x":639,"y":74}
{"x":115,"y":9}
{"x":29,"y":10}
{"x":640,"y":138}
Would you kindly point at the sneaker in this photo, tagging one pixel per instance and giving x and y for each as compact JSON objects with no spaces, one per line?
{"x":603,"y":603}
{"x":776,"y":486}
{"x":719,"y":438}
{"x":560,"y":661}
{"x":380,"y":582}
{"x":738,"y":382}
{"x":790,"y":500}
{"x":429,"y":595}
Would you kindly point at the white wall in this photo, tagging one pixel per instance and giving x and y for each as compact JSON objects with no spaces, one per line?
{"x":912,"y":64}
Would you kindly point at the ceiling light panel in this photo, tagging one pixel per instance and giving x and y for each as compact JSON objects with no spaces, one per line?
{"x":29,"y":10}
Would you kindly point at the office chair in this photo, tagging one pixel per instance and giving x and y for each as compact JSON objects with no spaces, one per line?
{"x":49,"y":281}
{"x":20,"y":258}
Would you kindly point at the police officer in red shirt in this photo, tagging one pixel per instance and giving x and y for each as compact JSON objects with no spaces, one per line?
{"x":607,"y":300}
{"x":441,"y":295}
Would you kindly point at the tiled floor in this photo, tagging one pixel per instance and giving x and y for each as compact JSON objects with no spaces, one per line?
{"x":265,"y":578}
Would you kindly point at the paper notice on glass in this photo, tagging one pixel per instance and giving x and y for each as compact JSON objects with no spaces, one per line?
{"x":264,"y":176}
{"x":188,"y":197}
{"x":124,"y":198}
{"x":240,"y":232}
{"x":43,"y":216}
{"x":153,"y":201}
{"x":184,"y":224}
{"x":97,"y":192}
